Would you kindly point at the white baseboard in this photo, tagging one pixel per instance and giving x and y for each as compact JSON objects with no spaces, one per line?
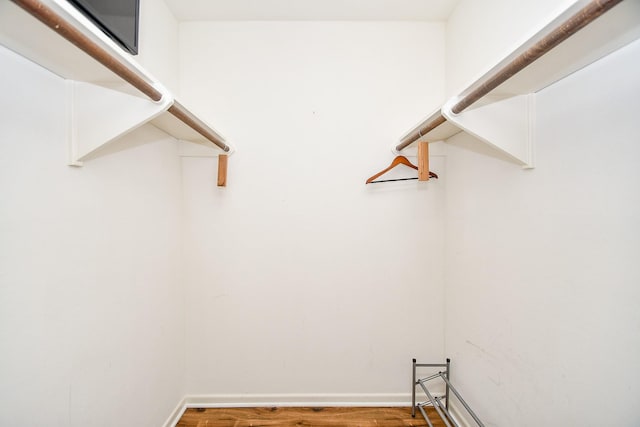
{"x":176,"y":414}
{"x":296,"y":400}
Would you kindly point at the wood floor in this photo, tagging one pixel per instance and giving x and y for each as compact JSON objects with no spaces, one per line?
{"x":305,"y":417}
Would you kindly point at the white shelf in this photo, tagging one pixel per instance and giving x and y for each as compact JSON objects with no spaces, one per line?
{"x":504,"y":117}
{"x":94,"y":90}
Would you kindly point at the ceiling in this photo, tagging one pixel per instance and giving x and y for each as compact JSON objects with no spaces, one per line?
{"x":312,"y":10}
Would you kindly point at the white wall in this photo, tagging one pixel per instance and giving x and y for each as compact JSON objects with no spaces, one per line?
{"x":301,"y":279}
{"x":91,"y":308}
{"x":542,"y":268}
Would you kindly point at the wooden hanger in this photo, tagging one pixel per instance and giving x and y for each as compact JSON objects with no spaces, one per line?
{"x":399,"y":160}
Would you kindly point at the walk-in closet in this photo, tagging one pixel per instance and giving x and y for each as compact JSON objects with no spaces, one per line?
{"x":421,"y":204}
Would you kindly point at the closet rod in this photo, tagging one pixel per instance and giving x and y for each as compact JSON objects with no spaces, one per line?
{"x":185,"y":116}
{"x":566,"y":29}
{"x":67,"y":30}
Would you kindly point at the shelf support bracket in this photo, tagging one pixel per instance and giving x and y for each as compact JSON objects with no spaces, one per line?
{"x":222,"y":170}
{"x":423,"y":161}
{"x":507,"y":125}
{"x":98,"y":115}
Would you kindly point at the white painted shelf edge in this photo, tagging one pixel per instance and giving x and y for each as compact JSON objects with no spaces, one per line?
{"x":101,"y":105}
{"x":504,"y":118}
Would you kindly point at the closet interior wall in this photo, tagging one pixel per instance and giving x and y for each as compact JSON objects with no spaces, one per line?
{"x":301,"y":280}
{"x":91,"y":304}
{"x":541,"y":265}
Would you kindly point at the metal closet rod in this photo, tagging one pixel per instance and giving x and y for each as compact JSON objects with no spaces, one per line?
{"x":566,"y":29}
{"x":67,"y":30}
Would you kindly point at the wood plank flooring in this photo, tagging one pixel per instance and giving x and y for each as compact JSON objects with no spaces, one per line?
{"x":305,"y":417}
